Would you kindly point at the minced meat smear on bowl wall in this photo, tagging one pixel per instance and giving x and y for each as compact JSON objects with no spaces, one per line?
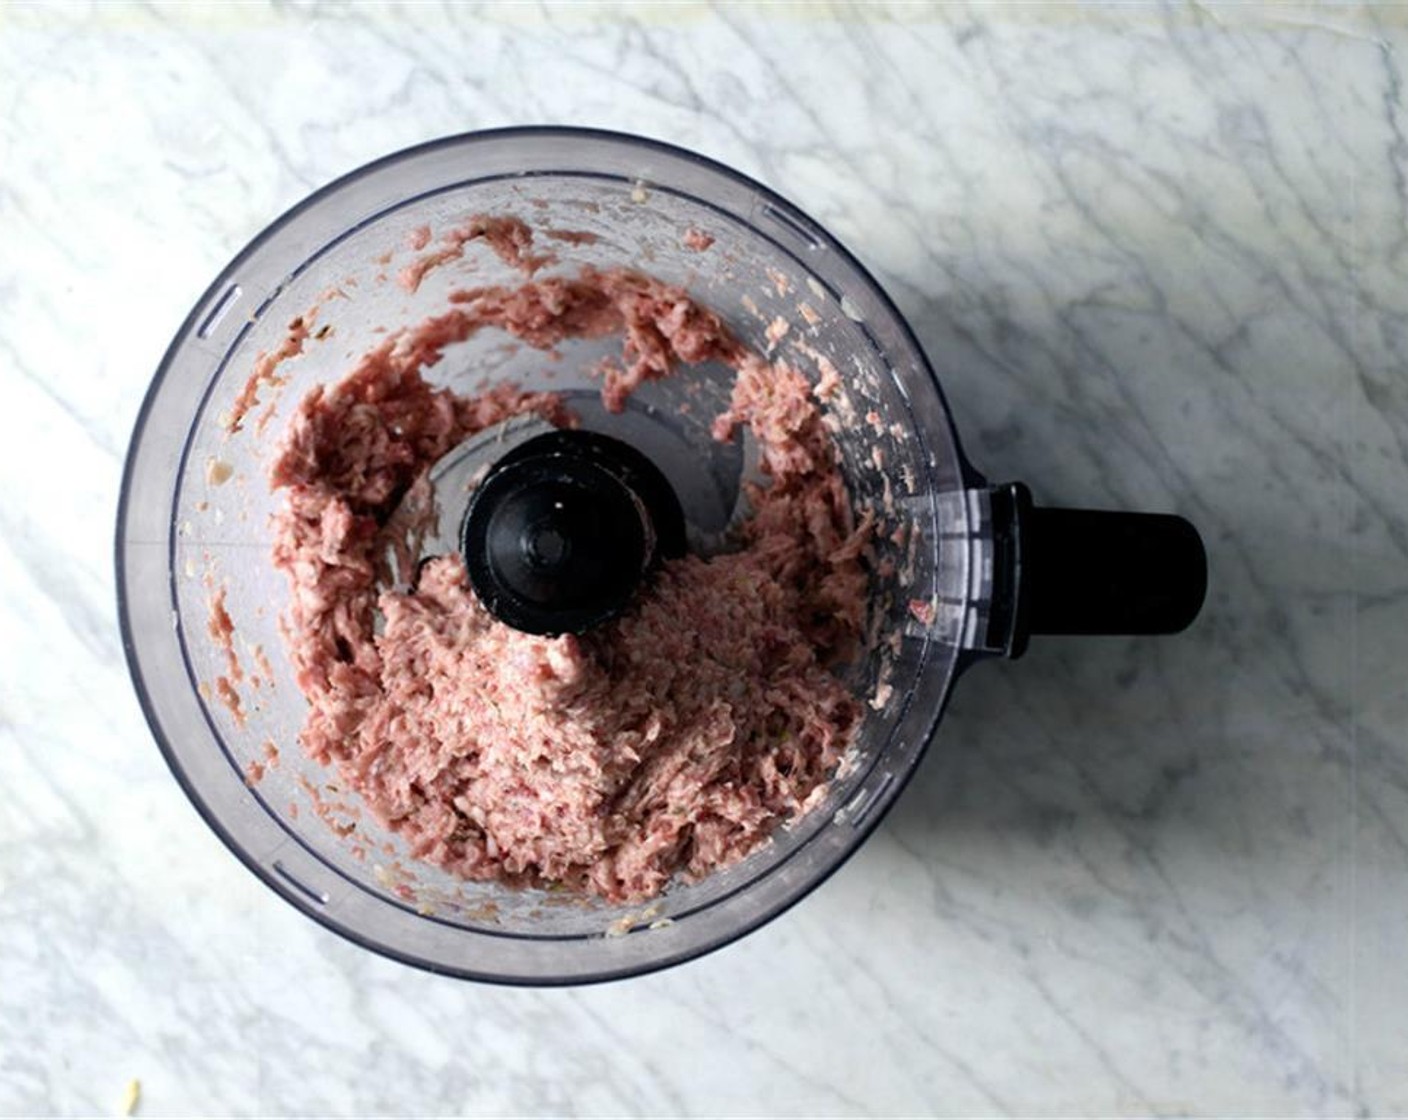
{"x":670,"y":741}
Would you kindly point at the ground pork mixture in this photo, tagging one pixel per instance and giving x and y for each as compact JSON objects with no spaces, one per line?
{"x":671,"y":741}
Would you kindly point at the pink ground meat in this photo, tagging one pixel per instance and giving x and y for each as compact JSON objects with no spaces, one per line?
{"x":671,"y":741}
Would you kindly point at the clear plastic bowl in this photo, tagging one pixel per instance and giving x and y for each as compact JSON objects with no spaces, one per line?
{"x":195,"y":516}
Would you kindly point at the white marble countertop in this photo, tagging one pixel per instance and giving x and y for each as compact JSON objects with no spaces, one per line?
{"x":1160,"y":258}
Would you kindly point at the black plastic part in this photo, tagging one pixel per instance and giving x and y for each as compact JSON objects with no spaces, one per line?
{"x":564,"y":527}
{"x":1076,"y":571}
{"x":1007,"y":626}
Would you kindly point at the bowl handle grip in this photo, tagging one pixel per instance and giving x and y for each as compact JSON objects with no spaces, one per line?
{"x":1077,"y":571}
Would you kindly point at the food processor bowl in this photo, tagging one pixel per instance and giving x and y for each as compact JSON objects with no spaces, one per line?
{"x":961,"y":570}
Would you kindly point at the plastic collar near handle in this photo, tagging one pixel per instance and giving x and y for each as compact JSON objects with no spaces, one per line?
{"x":1076,"y":571}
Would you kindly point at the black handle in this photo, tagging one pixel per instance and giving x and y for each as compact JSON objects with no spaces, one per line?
{"x":1077,"y":571}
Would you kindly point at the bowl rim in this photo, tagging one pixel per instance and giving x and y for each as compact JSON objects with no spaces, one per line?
{"x":201,"y":308}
